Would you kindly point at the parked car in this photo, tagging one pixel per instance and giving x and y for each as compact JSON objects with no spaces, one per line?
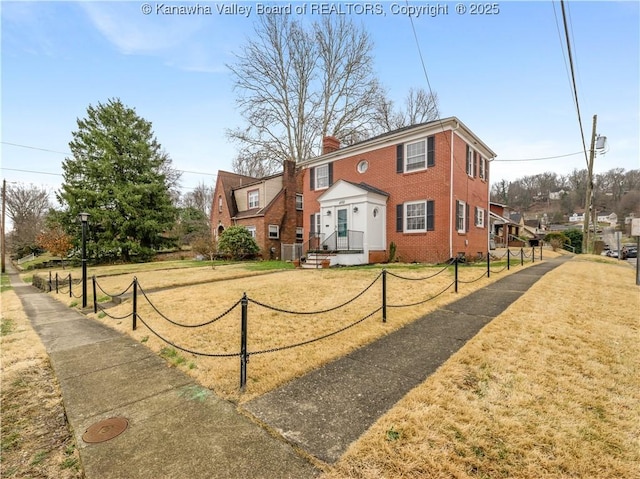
{"x":611,"y":253}
{"x":629,"y":252}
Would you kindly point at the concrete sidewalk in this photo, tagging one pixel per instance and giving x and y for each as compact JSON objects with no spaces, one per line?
{"x":177,"y":429}
{"x":326,"y":410}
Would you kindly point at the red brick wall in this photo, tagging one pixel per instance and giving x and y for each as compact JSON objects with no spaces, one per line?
{"x":430,"y":184}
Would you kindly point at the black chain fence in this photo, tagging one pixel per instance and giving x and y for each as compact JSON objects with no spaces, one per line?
{"x":244,"y":353}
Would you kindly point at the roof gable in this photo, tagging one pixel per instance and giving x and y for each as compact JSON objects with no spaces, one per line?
{"x":343,"y":189}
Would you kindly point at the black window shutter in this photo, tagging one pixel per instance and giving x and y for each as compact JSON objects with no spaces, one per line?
{"x":467,"y":161}
{"x":475,"y":216}
{"x":312,"y":179}
{"x":400,"y":159}
{"x":457,"y":214}
{"x":430,"y":215}
{"x":431,"y":151}
{"x":330,"y":168}
{"x":475,"y":164}
{"x":399,"y":219}
{"x":312,"y":222}
{"x":467,"y":217}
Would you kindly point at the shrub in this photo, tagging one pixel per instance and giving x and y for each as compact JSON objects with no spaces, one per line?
{"x":575,"y":238}
{"x":237,"y":242}
{"x":556,"y":240}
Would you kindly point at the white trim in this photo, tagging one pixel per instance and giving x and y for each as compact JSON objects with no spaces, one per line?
{"x":316,"y":177}
{"x":252,"y":230}
{"x":277,"y":232}
{"x":406,"y":217}
{"x":463,"y":204}
{"x":433,"y":128}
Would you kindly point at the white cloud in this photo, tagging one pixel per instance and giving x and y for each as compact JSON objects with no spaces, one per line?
{"x":177,"y":41}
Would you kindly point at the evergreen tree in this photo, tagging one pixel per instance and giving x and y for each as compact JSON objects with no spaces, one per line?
{"x":120,"y":175}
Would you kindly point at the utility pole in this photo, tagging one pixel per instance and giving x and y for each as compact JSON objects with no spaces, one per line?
{"x":4,"y":201}
{"x":589,"y":195}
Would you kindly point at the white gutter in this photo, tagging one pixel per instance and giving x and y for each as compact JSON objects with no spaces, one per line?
{"x":451,"y":203}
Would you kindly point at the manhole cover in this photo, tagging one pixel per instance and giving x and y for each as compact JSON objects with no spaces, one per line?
{"x":105,"y":430}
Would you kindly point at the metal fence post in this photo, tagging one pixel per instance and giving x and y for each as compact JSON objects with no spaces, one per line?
{"x":533,"y":254}
{"x":488,"y":264}
{"x":521,"y":256}
{"x":50,"y":283}
{"x":456,"y":272}
{"x":135,"y":303}
{"x":95,"y":298}
{"x":540,"y":252}
{"x":243,"y":343}
{"x":70,"y":283}
{"x":57,"y":283}
{"x":384,"y":295}
{"x":508,"y":259}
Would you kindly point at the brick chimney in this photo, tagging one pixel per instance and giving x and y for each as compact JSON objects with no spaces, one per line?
{"x":330,"y":144}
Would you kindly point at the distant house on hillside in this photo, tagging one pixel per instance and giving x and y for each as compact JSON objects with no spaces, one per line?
{"x":424,"y":188}
{"x":270,"y":207}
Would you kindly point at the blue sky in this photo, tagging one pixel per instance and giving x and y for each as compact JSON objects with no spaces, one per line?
{"x":504,"y":75}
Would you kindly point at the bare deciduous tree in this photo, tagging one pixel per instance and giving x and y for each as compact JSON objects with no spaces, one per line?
{"x":27,"y":207}
{"x":295,"y":85}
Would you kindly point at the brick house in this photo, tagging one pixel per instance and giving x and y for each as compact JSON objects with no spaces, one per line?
{"x":424,"y":188}
{"x":270,"y":207}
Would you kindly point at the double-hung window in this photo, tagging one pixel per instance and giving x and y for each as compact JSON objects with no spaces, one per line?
{"x":470,"y":155}
{"x":461,"y":216}
{"x":299,"y":234}
{"x":322,"y":177}
{"x":416,"y":156}
{"x":483,"y":168}
{"x":415,"y":216}
{"x":252,"y":230}
{"x":274,"y":232}
{"x":299,"y":202}
{"x":479,"y":217}
{"x":253,"y":197}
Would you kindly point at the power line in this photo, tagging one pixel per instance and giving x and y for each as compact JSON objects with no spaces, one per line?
{"x":545,"y":158}
{"x":573,"y":80}
{"x":68,"y":153}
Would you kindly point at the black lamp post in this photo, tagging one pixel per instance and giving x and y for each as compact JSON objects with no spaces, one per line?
{"x":84,"y":217}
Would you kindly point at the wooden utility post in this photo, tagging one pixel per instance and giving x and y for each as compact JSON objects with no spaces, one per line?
{"x":588,"y":198}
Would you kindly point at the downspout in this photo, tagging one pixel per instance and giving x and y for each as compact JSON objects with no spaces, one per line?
{"x":451,"y":203}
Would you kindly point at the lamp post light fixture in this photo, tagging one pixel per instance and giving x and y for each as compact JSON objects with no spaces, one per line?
{"x":84,"y":217}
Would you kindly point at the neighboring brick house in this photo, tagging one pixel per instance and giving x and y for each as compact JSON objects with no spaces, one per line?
{"x":270,"y":207}
{"x":424,"y":187}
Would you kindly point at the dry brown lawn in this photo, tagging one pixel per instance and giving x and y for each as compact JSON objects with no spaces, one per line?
{"x":549,"y":389}
{"x":299,"y":290}
{"x":36,"y":441}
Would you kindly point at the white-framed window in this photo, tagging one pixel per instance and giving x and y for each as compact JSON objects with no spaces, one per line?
{"x":483,"y":168}
{"x":416,"y":156}
{"x":363,"y":166}
{"x":479,"y":217}
{"x":252,"y":230}
{"x":461,"y":210}
{"x":299,"y":201}
{"x":253,"y":198}
{"x":299,"y":233}
{"x":220,"y":204}
{"x":470,"y":154}
{"x":322,"y":176}
{"x":416,"y":216}
{"x":274,"y":232}
{"x":318,"y":223}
